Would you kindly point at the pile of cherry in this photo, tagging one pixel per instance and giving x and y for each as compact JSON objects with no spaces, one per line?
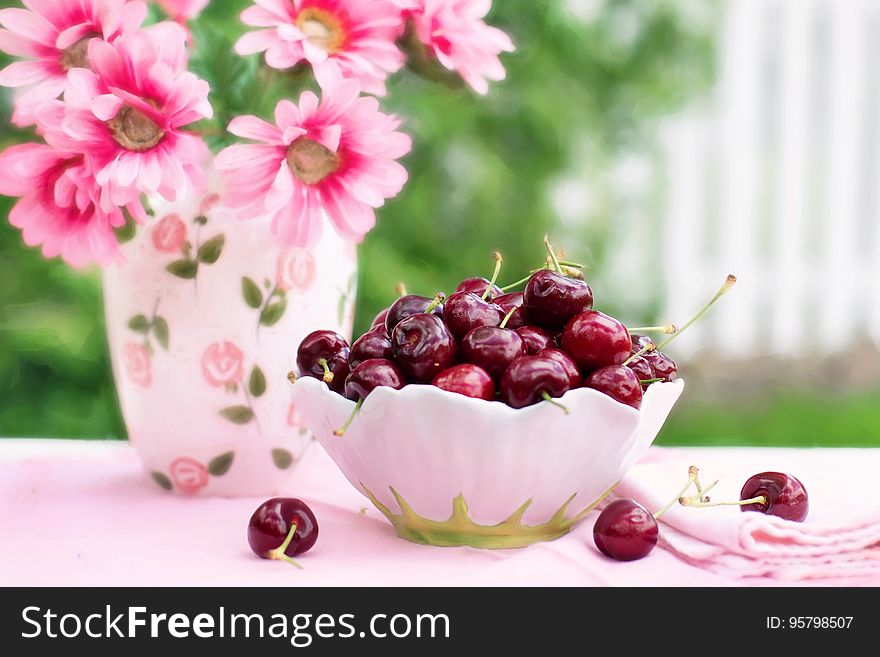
{"x":482,"y":342}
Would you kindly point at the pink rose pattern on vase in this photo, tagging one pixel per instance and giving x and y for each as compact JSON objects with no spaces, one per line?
{"x":198,"y":254}
{"x":169,"y":234}
{"x":223,"y":364}
{"x":223,"y":367}
{"x":138,"y":365}
{"x":189,"y":476}
{"x":295,"y":270}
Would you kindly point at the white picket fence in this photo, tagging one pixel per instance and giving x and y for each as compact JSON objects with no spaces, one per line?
{"x":777,"y":179}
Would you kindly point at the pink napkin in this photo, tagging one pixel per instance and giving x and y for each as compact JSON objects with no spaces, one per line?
{"x":840,"y":538}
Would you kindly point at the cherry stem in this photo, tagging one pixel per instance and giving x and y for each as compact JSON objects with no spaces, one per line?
{"x":729,"y":282}
{"x":438,"y":299}
{"x":499,"y":260}
{"x":552,"y":253}
{"x":400,"y":288}
{"x":693,"y":473}
{"x":648,"y":347}
{"x":507,"y":317}
{"x":669,"y":328}
{"x":357,"y":409}
{"x":689,"y":501}
{"x":522,"y":281}
{"x":647,"y":382}
{"x":546,"y":397}
{"x":279,"y":552}
{"x":291,"y":376}
{"x":569,"y":263}
{"x":328,"y":375}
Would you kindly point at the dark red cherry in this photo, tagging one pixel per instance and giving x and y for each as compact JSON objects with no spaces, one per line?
{"x":478,"y":286}
{"x":618,"y":382}
{"x":536,"y":339}
{"x":551,"y":299}
{"x":492,"y":348}
{"x":508,"y":302}
{"x":625,"y":531}
{"x":423,"y":347}
{"x":379,"y":319}
{"x":664,"y":367}
{"x":373,"y":344}
{"x":468,"y":380}
{"x":321,"y":351}
{"x":574,"y":374}
{"x":371,"y":374}
{"x":785,"y":495}
{"x":595,"y":340}
{"x":465,"y":311}
{"x":407,"y":306}
{"x":270,"y":525}
{"x":530,"y":378}
{"x":639,"y":342}
{"x":642,"y":369}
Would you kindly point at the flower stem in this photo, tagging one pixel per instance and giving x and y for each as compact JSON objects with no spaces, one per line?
{"x":357,"y":409}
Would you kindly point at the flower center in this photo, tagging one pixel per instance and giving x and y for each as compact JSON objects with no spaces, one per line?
{"x":310,"y":161}
{"x":134,"y":130}
{"x":321,"y":28}
{"x":77,"y":55}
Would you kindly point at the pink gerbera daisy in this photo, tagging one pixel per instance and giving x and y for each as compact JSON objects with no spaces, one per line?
{"x":54,"y":35}
{"x":128,"y":111}
{"x":455,"y":32}
{"x":183,"y":10}
{"x":352,"y":37}
{"x":337,"y":157}
{"x":58,"y":207}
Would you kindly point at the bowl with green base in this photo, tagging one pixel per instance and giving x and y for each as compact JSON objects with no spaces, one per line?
{"x":450,"y":470}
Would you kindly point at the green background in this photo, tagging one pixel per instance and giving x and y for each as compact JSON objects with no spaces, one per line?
{"x":579,"y":92}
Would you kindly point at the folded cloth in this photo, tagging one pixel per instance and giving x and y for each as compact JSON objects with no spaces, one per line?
{"x":840,"y":539}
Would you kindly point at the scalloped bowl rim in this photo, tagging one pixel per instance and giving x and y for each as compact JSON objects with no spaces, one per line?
{"x":386,"y":394}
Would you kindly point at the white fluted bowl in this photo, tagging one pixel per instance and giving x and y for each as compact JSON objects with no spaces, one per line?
{"x":446,"y":469}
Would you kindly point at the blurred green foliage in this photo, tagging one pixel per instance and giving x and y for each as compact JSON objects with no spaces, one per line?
{"x":580,"y":91}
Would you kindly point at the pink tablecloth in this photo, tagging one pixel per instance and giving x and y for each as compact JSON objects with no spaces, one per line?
{"x":83,"y":513}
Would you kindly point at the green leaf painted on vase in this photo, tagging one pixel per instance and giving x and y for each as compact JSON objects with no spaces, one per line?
{"x":162,"y":480}
{"x":160,"y":330}
{"x":282,"y":458}
{"x":220,"y":465}
{"x":251,"y":293}
{"x":210,"y":251}
{"x":238,"y":414}
{"x":186,"y":269}
{"x":127,"y":231}
{"x":257,"y":382}
{"x":273,"y":313}
{"x":139,"y":324}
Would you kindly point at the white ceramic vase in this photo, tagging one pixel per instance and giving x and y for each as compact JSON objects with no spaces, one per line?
{"x":203,"y":318}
